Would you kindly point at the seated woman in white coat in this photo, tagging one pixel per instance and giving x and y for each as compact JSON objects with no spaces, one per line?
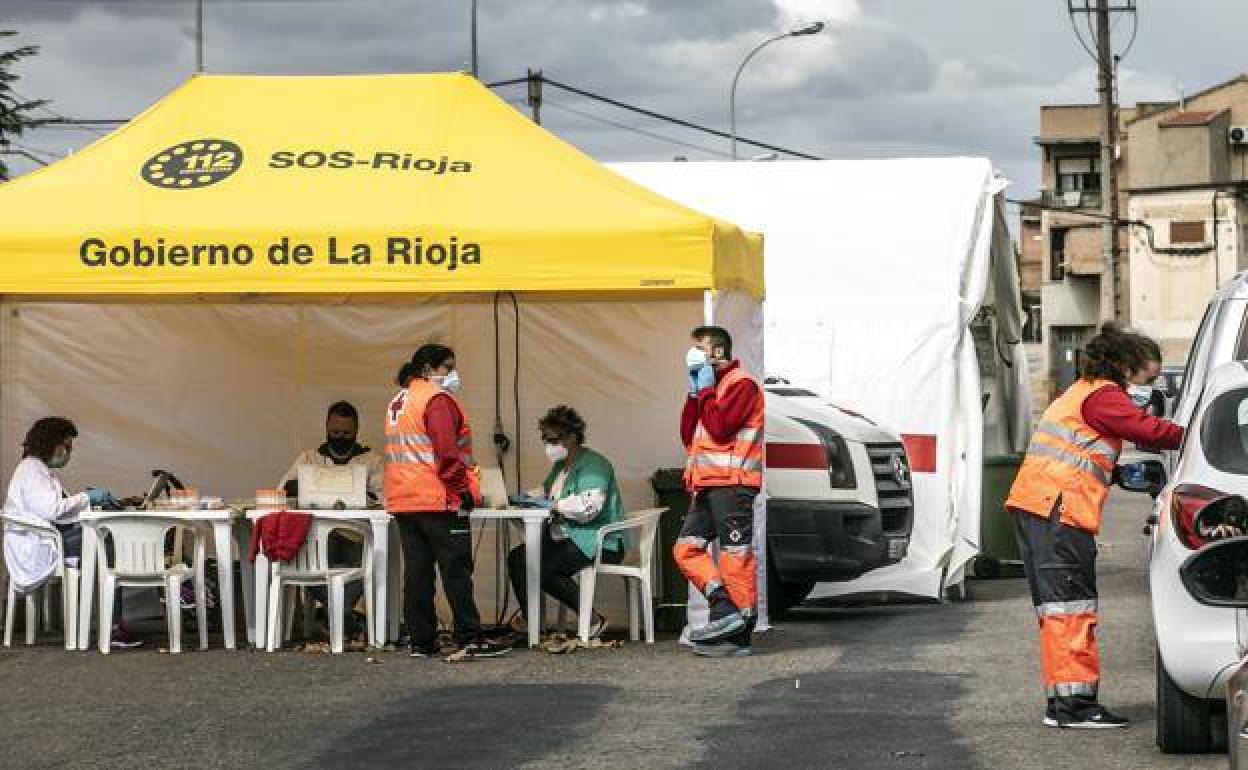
{"x":35,"y":494}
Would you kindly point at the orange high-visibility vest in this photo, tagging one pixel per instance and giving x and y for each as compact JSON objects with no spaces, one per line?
{"x":1069,"y":460}
{"x":736,"y":463}
{"x":412,"y":481}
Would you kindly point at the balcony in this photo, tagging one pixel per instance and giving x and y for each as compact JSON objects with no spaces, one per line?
{"x":1071,"y":199}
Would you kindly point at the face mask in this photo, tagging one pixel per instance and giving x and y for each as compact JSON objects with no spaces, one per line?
{"x":695,"y":359}
{"x":449,"y":382}
{"x":340,"y":446}
{"x":556,"y":452}
{"x":60,"y":458}
{"x":1140,"y":394}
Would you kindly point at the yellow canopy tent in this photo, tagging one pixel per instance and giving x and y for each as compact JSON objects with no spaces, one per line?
{"x":195,"y":289}
{"x":361,"y":184}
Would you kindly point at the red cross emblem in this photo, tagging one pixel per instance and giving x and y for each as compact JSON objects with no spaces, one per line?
{"x":396,"y":406}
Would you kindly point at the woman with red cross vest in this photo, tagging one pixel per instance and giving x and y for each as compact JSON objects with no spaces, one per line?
{"x":722,"y":430}
{"x":1057,"y":501}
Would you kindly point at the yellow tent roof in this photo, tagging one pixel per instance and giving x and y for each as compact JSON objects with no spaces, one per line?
{"x":349,"y":185}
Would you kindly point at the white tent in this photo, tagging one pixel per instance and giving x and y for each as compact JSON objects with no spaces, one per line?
{"x":878,"y":274}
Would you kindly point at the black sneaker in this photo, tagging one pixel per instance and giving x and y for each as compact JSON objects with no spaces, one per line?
{"x":485,"y":648}
{"x":1095,"y":717}
{"x":423,"y":650}
{"x":1050,"y":714}
{"x":718,"y":629}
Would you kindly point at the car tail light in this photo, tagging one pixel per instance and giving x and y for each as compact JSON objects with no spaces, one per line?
{"x":1186,"y":501}
{"x":836,"y":452}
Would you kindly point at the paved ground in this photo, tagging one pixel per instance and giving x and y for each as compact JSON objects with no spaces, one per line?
{"x":952,"y":686}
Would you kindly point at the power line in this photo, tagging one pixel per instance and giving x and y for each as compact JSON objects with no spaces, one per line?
{"x":670,"y":119}
{"x":634,"y":129}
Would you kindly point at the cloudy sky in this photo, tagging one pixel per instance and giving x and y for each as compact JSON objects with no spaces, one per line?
{"x":888,"y":77}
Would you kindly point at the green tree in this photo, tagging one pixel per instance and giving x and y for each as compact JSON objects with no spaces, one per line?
{"x":15,"y":111}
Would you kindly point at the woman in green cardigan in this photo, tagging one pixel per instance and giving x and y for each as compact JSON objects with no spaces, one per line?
{"x":583,"y":498}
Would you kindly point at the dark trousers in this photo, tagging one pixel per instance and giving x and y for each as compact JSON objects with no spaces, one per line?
{"x":445,"y":540}
{"x":561,"y":560}
{"x":1060,"y":564}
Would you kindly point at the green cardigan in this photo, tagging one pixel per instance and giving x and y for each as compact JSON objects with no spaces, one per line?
{"x":590,"y":470}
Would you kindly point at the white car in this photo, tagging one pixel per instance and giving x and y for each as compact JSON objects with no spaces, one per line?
{"x":839,"y":498}
{"x":1197,"y":643}
{"x":1217,"y":576}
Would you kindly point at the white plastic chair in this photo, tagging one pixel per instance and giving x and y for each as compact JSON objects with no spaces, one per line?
{"x":310,"y":567}
{"x":139,"y":561}
{"x":67,"y":575}
{"x":637,"y":578}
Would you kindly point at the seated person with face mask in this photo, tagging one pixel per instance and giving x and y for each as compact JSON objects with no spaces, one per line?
{"x":584,"y":497}
{"x":36,"y":495}
{"x":341,"y":447}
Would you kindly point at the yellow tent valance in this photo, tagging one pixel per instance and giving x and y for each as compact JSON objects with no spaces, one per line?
{"x":349,"y":185}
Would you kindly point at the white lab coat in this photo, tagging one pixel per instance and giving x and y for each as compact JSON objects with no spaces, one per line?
{"x":35,"y":494}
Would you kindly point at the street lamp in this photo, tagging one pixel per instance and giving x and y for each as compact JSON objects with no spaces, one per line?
{"x":809,"y":29}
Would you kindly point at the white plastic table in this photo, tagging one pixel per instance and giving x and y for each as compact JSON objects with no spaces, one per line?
{"x":533,"y":521}
{"x":221,"y":522}
{"x":388,"y":582}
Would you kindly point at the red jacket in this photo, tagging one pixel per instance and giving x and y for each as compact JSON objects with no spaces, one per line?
{"x":722,"y":417}
{"x":280,"y":534}
{"x":443,"y":420}
{"x":1112,"y":412}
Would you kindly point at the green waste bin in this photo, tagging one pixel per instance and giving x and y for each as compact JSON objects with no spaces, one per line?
{"x":670,"y":584}
{"x":998,"y":548}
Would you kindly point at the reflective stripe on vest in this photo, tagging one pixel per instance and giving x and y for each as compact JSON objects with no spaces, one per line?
{"x":1068,"y":460}
{"x":738,"y":462}
{"x":412,"y":481}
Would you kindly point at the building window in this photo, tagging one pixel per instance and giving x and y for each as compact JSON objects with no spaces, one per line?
{"x":1187,"y":232}
{"x":1078,"y":174}
{"x":1057,"y":254}
{"x":1033,"y":320}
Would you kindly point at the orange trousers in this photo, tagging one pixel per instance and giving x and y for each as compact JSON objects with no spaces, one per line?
{"x":726,"y":515}
{"x":1060,"y":563}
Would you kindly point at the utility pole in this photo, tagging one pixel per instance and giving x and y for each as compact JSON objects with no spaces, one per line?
{"x":1111,"y":280}
{"x":1097,"y":16}
{"x":535,"y":95}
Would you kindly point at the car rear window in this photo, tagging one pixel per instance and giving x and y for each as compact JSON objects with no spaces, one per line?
{"x":1224,"y":432}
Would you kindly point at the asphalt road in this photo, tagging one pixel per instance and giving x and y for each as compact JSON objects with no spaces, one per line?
{"x":936,"y":686}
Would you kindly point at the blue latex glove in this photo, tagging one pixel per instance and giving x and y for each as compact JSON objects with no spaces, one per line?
{"x":704,"y":378}
{"x":98,"y":496}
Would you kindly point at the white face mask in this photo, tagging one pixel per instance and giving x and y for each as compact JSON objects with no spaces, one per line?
{"x":695,"y":359}
{"x":60,"y":458}
{"x":556,"y":452}
{"x":1140,"y":394}
{"x":450,"y":382}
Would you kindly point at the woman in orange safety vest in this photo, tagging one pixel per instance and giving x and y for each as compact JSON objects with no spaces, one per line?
{"x":1057,"y":501}
{"x":431,"y":487}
